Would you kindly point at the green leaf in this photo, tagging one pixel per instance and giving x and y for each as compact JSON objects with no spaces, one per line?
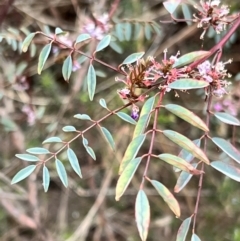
{"x":185,"y":155}
{"x":27,"y":41}
{"x":126,"y":117}
{"x":183,"y":179}
{"x":187,"y":115}
{"x":91,"y":81}
{"x":142,"y":214}
{"x":188,"y":84}
{"x":102,"y":102}
{"x":38,"y":150}
{"x":43,"y":57}
{"x":190,"y":57}
{"x":179,"y":163}
{"x":133,"y":58}
{"x":131,"y":152}
{"x":103,"y":43}
{"x":27,"y":157}
{"x":69,"y":129}
{"x":144,"y":117}
{"x":22,"y":174}
{"x":61,"y":172}
{"x":88,"y":149}
{"x":148,"y":31}
{"x":227,"y":169}
{"x":53,"y":139}
{"x":67,"y":68}
{"x":74,"y":161}
{"x":228,"y":148}
{"x":128,"y":30}
{"x":46,"y":178}
{"x":183,"y":230}
{"x":116,"y":47}
{"x":82,"y":37}
{"x":227,"y":118}
{"x":171,"y":5}
{"x":59,"y":31}
{"x":167,"y":197}
{"x":82,"y":117}
{"x":108,"y":137}
{"x":187,"y":144}
{"x":126,"y":177}
{"x":195,"y":237}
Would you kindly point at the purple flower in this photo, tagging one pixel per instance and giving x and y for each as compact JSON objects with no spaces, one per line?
{"x":134,"y":115}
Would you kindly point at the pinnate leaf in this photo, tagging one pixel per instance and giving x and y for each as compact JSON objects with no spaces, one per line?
{"x":228,"y":169}
{"x":91,"y":81}
{"x":46,"y":178}
{"x":132,"y":151}
{"x":142,"y":214}
{"x":108,"y":137}
{"x":126,"y":177}
{"x":61,"y":171}
{"x":53,"y":139}
{"x":82,"y":37}
{"x":69,"y":129}
{"x":22,"y":174}
{"x":167,"y":197}
{"x":187,"y":144}
{"x":126,"y":118}
{"x":82,"y":117}
{"x":228,"y":148}
{"x":43,"y":57}
{"x":103,"y":43}
{"x":133,"y":58}
{"x":88,"y":148}
{"x":74,"y":161}
{"x":227,"y":118}
{"x":67,"y":68}
{"x":183,"y":230}
{"x":27,"y":41}
{"x":187,"y":115}
{"x":38,"y":150}
{"x":27,"y":157}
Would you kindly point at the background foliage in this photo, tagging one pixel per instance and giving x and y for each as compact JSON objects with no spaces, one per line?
{"x":34,"y":107}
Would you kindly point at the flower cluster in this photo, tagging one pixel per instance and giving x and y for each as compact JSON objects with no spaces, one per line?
{"x":148,"y":73}
{"x":215,"y":75}
{"x":211,"y":14}
{"x":98,"y":28}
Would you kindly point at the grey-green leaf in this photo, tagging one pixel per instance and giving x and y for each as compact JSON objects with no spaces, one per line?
{"x":53,"y":139}
{"x":22,"y":174}
{"x":103,"y":43}
{"x":142,"y":214}
{"x":88,"y":148}
{"x":228,"y":148}
{"x":126,"y":177}
{"x":27,"y":41}
{"x":82,"y":37}
{"x":38,"y":150}
{"x":67,"y":68}
{"x":108,"y":137}
{"x":82,"y":117}
{"x":132,"y":151}
{"x":74,"y":161}
{"x":171,"y":6}
{"x":227,"y":118}
{"x":187,"y":84}
{"x":69,"y":129}
{"x":102,"y":102}
{"x":128,"y":30}
{"x":43,"y":57}
{"x":183,"y":230}
{"x":116,"y":47}
{"x":27,"y":157}
{"x":133,"y":58}
{"x":91,"y":81}
{"x":195,"y":237}
{"x":46,"y":178}
{"x":126,"y":117}
{"x":61,"y":172}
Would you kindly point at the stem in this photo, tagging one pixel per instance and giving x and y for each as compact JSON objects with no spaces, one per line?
{"x":202,"y":167}
{"x":153,"y":137}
